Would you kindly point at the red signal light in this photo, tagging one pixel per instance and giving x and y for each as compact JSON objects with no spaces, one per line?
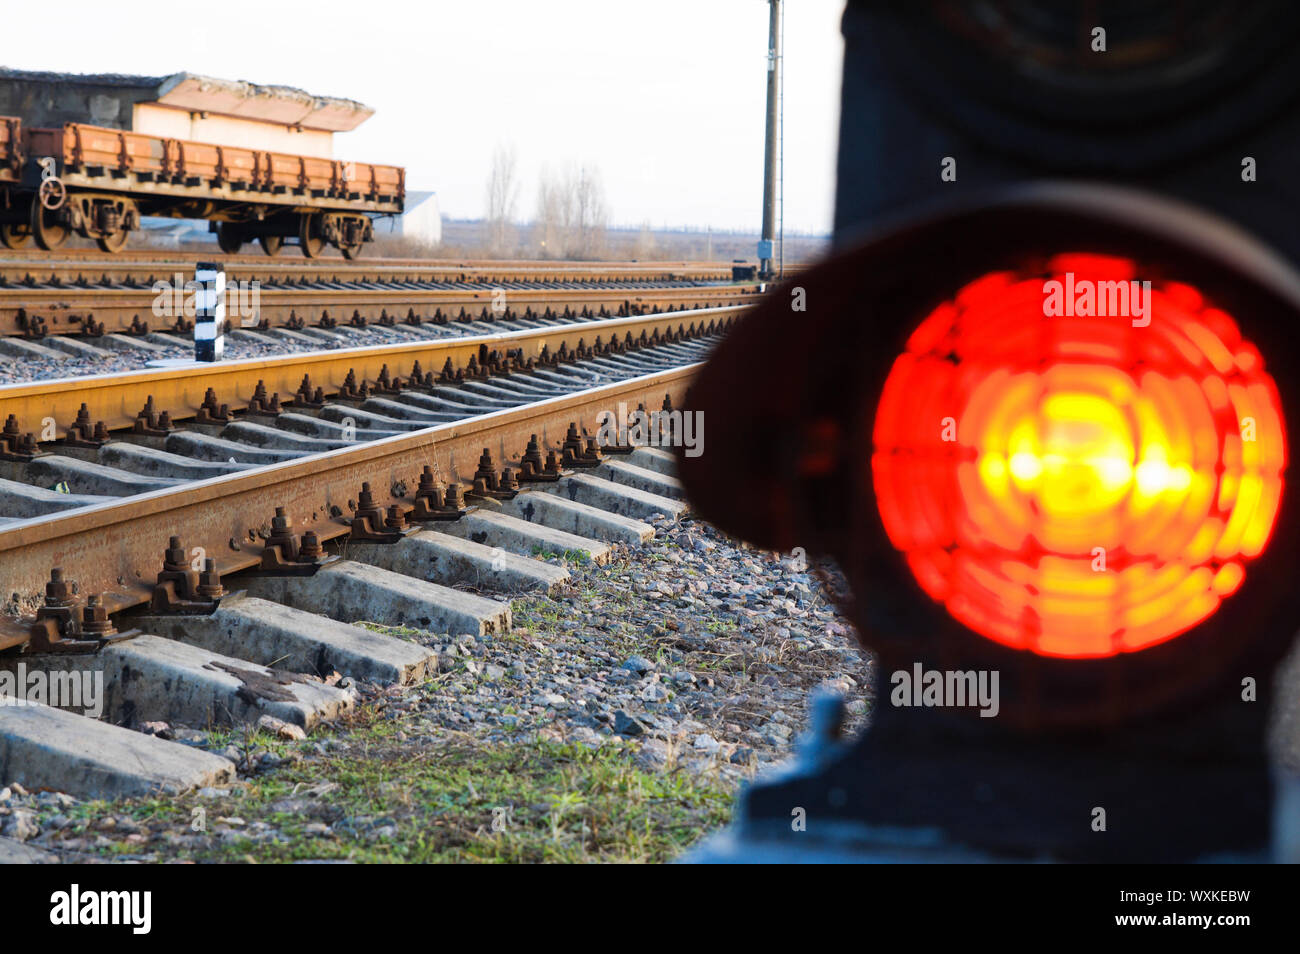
{"x":1078,"y":485}
{"x":1080,"y":441}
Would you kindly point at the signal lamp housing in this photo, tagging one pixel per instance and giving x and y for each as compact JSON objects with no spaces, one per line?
{"x":1043,"y":433}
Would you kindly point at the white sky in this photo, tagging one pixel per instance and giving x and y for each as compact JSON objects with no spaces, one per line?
{"x":666,"y":98}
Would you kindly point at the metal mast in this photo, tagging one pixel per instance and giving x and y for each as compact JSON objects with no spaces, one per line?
{"x":765,"y":244}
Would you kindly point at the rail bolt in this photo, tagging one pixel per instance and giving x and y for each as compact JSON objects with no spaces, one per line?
{"x":209,"y":587}
{"x":486,"y":471}
{"x":282,"y":536}
{"x":58,"y":592}
{"x":94,"y":618}
{"x":174,"y":559}
{"x":311,"y":548}
{"x":396,"y":518}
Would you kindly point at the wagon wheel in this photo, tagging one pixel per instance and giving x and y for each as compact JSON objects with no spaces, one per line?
{"x":114,"y":242}
{"x":271,"y":244}
{"x":309,"y":236}
{"x":52,"y":193}
{"x":351,"y":251}
{"x":230,"y":237}
{"x":15,"y":234}
{"x":50,"y":233}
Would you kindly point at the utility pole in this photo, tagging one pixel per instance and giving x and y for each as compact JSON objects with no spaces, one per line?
{"x":769,"y":155}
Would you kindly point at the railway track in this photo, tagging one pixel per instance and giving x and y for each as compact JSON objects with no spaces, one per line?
{"x":91,"y":313}
{"x":200,"y":549}
{"x":87,"y":297}
{"x":71,"y":266}
{"x":49,"y":410}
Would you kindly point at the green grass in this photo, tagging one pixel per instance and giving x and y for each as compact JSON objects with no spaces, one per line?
{"x":530,"y":800}
{"x":568,"y":556}
{"x":408,"y":633}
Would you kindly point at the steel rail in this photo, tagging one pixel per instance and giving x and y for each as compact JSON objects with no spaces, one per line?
{"x":69,"y":266}
{"x":67,"y":310}
{"x":117,"y":399}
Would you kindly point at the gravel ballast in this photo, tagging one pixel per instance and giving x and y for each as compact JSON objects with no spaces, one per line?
{"x":615,"y":721}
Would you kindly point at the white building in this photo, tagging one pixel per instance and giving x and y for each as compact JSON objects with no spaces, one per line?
{"x":422,"y":219}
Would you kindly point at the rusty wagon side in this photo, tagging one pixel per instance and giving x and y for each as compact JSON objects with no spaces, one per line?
{"x":98,"y":182}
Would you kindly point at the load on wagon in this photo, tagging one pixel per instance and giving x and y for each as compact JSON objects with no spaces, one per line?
{"x":94,"y":154}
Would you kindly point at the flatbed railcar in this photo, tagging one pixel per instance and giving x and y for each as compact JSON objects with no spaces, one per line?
{"x":99,"y":182}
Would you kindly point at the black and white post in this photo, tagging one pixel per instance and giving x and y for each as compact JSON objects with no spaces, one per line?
{"x":209,"y":311}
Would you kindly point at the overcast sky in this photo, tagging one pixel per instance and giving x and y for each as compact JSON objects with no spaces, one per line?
{"x":665,"y":98}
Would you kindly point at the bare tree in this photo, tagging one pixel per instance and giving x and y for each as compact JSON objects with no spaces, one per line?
{"x":645,"y":245}
{"x":502,"y":196}
{"x":572,"y":213}
{"x":591,"y":212}
{"x":550,"y":224}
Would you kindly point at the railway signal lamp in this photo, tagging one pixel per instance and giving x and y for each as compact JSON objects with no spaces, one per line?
{"x":1039,"y":409}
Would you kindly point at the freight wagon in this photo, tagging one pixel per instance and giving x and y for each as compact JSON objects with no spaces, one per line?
{"x":98,"y":182}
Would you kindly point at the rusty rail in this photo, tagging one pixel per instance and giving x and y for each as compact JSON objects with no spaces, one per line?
{"x":71,"y":265}
{"x":72,"y":310}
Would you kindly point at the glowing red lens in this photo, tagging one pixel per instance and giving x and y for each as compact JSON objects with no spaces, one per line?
{"x":1082,"y":483}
